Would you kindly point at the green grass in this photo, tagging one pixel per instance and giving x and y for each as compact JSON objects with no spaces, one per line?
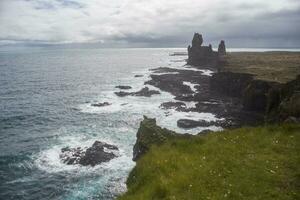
{"x":247,"y":163}
{"x":270,"y":66}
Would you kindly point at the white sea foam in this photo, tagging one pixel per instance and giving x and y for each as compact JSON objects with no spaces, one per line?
{"x":191,"y":85}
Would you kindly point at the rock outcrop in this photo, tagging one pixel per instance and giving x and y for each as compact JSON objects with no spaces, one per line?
{"x":284,"y":102}
{"x":150,"y":134}
{"x":199,"y":55}
{"x":222,"y":48}
{"x":123,"y":87}
{"x":94,"y":155}
{"x":145,"y":92}
{"x":101,"y":104}
{"x":278,"y":102}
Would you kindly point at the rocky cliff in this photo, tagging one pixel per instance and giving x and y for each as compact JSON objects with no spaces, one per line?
{"x":150,"y":134}
{"x":279,"y":102}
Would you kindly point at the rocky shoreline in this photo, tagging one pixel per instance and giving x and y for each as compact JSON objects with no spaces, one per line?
{"x":237,"y":99}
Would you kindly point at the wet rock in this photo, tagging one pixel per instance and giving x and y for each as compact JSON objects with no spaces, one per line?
{"x":179,"y":106}
{"x":93,"y":155}
{"x":124,"y":87}
{"x":188,"y":123}
{"x":138,"y":76}
{"x":222,"y":48}
{"x":172,"y":83}
{"x":145,"y":92}
{"x":101,"y":104}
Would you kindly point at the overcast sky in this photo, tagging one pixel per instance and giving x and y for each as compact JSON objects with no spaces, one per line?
{"x":151,"y":23}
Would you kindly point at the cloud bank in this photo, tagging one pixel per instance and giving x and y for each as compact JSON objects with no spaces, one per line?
{"x":150,"y":23}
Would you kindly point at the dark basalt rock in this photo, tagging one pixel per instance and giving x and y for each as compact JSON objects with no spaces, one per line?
{"x":138,"y":76}
{"x":230,"y":84}
{"x":124,"y":87}
{"x":201,"y":55}
{"x":188,"y":123}
{"x":93,"y":155}
{"x":222,"y":48}
{"x":179,"y":106}
{"x":255,"y":96}
{"x":145,"y":92}
{"x":170,"y":83}
{"x":284,"y":102}
{"x":101,"y":104}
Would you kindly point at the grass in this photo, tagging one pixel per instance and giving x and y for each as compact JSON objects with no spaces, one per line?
{"x":270,"y":66}
{"x":247,"y":163}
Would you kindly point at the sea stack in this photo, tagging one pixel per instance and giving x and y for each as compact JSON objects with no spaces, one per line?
{"x":222,"y":48}
{"x":199,"y":55}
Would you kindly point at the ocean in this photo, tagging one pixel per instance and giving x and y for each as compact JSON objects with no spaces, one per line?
{"x":45,"y":105}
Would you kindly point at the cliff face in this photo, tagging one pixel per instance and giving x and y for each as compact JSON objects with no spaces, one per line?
{"x":278,"y":102}
{"x":150,"y":134}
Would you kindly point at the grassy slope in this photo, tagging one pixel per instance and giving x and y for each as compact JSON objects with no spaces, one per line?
{"x":246,"y":163}
{"x":270,"y":66}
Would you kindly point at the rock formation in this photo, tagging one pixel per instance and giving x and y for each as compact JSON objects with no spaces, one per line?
{"x":222,"y":48}
{"x":145,"y":92}
{"x":150,"y":134}
{"x":123,"y":87}
{"x":93,"y":155}
{"x":201,"y":55}
{"x":101,"y":104}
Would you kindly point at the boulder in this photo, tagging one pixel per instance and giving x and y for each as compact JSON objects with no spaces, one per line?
{"x":94,"y":155}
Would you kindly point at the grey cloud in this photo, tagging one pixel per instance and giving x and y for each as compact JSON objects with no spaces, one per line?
{"x":150,"y":23}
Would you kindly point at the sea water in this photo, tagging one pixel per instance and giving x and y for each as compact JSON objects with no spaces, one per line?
{"x":45,"y":105}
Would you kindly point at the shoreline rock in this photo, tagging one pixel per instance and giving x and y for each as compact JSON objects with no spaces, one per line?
{"x":145,"y":92}
{"x":101,"y":104}
{"x":150,"y":134}
{"x":123,"y":87}
{"x":92,"y":156}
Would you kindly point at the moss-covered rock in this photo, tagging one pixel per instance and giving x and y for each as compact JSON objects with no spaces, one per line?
{"x":150,"y":134}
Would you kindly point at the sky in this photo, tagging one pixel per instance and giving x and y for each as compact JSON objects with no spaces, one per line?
{"x":150,"y":23}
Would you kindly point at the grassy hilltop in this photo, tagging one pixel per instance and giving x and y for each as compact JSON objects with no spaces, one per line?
{"x":268,"y":66}
{"x":246,"y":163}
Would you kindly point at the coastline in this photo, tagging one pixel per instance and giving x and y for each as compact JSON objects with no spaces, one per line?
{"x":238,"y":98}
